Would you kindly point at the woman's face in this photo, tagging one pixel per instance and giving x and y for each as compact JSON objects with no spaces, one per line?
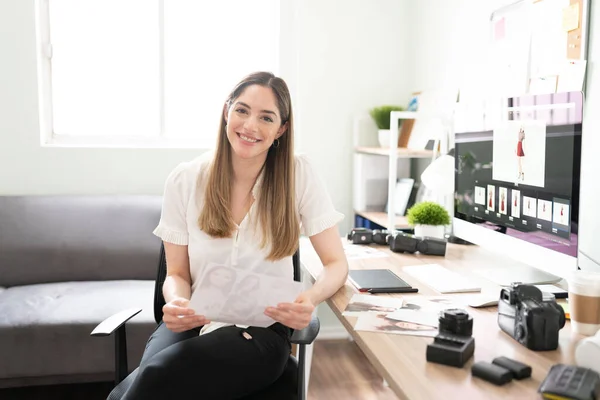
{"x":220,"y":278}
{"x":253,"y":122}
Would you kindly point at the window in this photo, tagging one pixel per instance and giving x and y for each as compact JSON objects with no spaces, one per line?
{"x":147,"y":72}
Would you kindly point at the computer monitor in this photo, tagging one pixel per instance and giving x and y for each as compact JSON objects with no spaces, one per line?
{"x":517,"y":187}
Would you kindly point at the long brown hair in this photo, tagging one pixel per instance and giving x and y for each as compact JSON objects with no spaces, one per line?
{"x":276,"y":211}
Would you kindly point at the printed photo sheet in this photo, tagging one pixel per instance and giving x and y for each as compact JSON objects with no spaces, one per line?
{"x":361,"y":303}
{"x":232,"y":295}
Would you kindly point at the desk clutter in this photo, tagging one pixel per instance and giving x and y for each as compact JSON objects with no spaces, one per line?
{"x":398,"y":241}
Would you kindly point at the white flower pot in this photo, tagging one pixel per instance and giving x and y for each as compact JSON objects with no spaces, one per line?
{"x":384,"y":137}
{"x":435,"y":231}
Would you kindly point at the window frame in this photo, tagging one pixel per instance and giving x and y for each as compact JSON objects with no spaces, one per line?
{"x":48,"y":138}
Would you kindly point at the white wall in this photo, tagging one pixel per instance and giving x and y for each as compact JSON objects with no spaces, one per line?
{"x":451,"y":40}
{"x":351,"y":55}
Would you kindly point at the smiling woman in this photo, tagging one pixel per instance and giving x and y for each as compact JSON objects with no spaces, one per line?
{"x":242,"y":206}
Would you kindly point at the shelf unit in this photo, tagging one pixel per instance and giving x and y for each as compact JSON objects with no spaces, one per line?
{"x":390,"y":220}
{"x":381,"y":218}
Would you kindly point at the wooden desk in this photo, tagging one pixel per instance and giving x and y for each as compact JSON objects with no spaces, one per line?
{"x":401,"y":359}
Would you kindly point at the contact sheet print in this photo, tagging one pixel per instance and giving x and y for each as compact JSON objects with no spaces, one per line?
{"x":237,"y":296}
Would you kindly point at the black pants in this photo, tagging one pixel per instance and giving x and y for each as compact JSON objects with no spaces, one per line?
{"x":221,"y":364}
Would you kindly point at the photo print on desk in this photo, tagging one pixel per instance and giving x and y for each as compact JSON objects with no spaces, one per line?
{"x":519,"y":153}
{"x":530,"y":206}
{"x":503,"y":200}
{"x":480,"y":195}
{"x":560,"y":214}
{"x":380,"y":322}
{"x":491,"y":198}
{"x":515,"y":204}
{"x":361,"y":303}
{"x":544,"y":210}
{"x":360,"y":251}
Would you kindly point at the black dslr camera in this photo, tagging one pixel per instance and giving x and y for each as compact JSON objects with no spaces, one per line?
{"x":406,"y":243}
{"x":454,"y":344}
{"x":531,"y":321}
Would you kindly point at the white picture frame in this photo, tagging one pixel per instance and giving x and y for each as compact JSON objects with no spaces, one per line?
{"x":404,"y":187}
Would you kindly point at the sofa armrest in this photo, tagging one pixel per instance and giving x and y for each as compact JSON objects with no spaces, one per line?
{"x":308,"y":334}
{"x":114,"y":322}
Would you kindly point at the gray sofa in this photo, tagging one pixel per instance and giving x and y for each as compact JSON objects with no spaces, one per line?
{"x":66,"y":264}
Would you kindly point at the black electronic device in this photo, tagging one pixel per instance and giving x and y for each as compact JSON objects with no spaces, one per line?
{"x":361,"y":236}
{"x":453,"y":345}
{"x":570,"y":382}
{"x":401,"y":242}
{"x":380,"y":236}
{"x":531,"y":321}
{"x":379,"y":281}
{"x":518,"y":369}
{"x":492,"y":373}
{"x":432,"y":246}
{"x":355,"y":230}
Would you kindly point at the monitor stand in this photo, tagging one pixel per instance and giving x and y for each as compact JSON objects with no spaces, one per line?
{"x":505,"y":276}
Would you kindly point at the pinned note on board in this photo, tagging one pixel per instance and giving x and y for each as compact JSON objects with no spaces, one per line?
{"x":500,"y":29}
{"x":570,"y":17}
{"x":571,"y":76}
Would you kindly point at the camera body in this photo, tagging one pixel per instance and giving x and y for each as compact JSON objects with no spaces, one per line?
{"x":406,"y":243}
{"x":454,"y":344}
{"x":531,"y":321}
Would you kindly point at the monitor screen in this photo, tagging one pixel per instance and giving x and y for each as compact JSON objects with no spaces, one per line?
{"x":521,"y":178}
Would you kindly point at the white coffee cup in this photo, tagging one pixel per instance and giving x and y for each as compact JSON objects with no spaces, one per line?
{"x":584,"y":302}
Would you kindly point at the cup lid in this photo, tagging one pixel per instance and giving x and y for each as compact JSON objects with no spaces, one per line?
{"x":584,"y":279}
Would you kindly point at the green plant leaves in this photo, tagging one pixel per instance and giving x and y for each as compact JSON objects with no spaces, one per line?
{"x":381,"y":115}
{"x":428,"y":213}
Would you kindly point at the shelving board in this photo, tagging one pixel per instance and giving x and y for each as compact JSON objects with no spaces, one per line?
{"x":381,"y":218}
{"x":402,"y":152}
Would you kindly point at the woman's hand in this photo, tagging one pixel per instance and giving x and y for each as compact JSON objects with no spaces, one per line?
{"x":179,"y":318}
{"x":296,"y":315}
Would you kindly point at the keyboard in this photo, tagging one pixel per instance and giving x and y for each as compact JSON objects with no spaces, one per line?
{"x":441,"y":279}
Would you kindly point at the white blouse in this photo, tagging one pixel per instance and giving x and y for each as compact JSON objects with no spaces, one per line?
{"x":184,"y":198}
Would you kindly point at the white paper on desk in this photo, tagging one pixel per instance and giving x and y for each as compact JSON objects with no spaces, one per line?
{"x":380,"y":322}
{"x":236,"y":296}
{"x":356,"y":251}
{"x":361,"y":303}
{"x":427,"y":318}
{"x":424,"y":310}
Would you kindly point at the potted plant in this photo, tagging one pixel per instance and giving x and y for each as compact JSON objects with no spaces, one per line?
{"x":429,"y":219}
{"x":381,"y":116}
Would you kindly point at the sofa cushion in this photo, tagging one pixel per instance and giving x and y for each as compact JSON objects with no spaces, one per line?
{"x":45,"y":329}
{"x":78,"y":238}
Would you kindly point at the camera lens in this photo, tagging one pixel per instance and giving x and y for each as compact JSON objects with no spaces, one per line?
{"x":456,"y":321}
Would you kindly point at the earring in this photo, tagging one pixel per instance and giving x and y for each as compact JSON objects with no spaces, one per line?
{"x":275,"y":143}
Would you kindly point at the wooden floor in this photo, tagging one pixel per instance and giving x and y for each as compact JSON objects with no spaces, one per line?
{"x":339,"y":371}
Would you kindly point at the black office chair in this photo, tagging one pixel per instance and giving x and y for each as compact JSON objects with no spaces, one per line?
{"x":290,"y":385}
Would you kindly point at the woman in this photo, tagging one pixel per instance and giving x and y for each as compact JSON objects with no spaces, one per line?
{"x":242,"y":206}
{"x":520,"y":154}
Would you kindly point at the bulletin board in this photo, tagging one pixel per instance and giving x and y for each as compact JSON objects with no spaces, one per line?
{"x":539,"y":46}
